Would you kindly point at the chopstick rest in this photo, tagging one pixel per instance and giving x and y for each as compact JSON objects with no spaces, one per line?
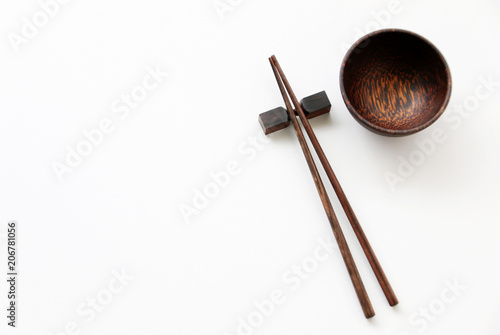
{"x":278,"y":118}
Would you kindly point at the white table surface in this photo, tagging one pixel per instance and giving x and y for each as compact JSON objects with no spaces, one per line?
{"x":103,"y":246}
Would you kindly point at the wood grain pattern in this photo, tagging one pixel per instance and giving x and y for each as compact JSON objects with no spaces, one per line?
{"x":337,"y":231}
{"x":395,"y":82}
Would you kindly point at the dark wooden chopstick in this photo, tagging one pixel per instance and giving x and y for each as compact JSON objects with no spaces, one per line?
{"x":337,"y":231}
{"x":363,"y":240}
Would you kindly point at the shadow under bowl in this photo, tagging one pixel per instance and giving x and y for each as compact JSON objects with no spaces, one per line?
{"x":395,"y":82}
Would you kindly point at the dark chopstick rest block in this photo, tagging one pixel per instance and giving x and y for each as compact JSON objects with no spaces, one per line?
{"x":274,"y":120}
{"x":277,"y":119}
{"x":316,"y":105}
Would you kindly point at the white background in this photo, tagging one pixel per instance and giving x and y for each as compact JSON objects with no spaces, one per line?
{"x":118,"y":210}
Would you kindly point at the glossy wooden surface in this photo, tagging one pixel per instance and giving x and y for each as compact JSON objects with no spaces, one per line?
{"x":395,"y":82}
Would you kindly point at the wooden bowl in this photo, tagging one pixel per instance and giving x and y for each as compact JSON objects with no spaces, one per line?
{"x":395,"y":82}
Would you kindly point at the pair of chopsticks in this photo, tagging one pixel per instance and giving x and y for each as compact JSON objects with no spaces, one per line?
{"x":337,"y":231}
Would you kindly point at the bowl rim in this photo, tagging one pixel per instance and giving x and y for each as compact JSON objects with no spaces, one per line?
{"x":374,"y":127}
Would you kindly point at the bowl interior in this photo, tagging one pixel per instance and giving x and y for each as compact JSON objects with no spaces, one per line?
{"x":395,"y":82}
